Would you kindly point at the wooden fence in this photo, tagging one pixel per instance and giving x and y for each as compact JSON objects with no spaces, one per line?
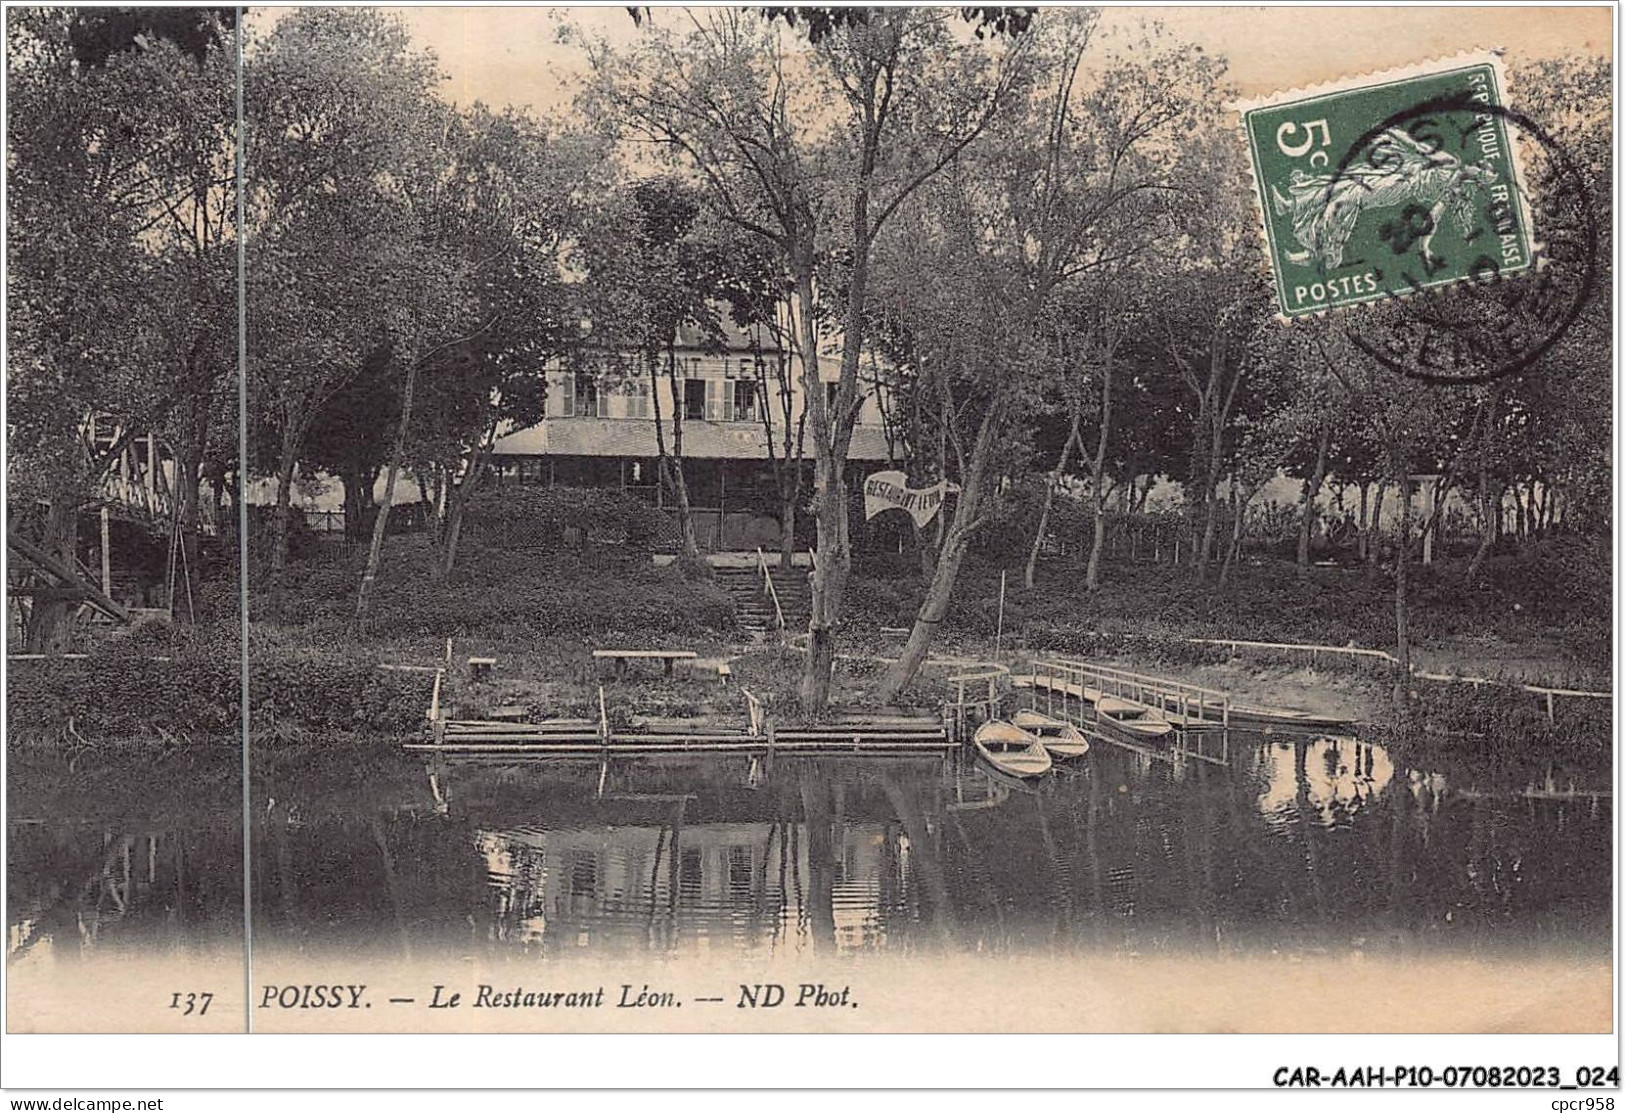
{"x":1316,"y":651}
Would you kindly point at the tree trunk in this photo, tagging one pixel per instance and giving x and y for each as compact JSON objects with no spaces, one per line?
{"x":1486,"y":524}
{"x":1311,"y":492}
{"x":1195,"y":494}
{"x":1364,"y":522}
{"x":375,"y":552}
{"x":1203,"y":551}
{"x":184,"y":574}
{"x":1402,"y":640}
{"x":939,"y":594}
{"x":671,"y":467}
{"x":50,"y":620}
{"x":1091,"y":579}
{"x":281,"y":521}
{"x":1373,"y":550}
{"x":1049,"y":499}
{"x":789,"y":495}
{"x":1238,"y":529}
{"x":834,"y":557}
{"x":457,"y":504}
{"x":358,"y":501}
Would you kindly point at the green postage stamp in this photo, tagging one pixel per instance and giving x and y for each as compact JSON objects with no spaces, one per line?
{"x":1388,"y":185}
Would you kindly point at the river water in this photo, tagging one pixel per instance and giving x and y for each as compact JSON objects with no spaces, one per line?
{"x":1311,"y":846}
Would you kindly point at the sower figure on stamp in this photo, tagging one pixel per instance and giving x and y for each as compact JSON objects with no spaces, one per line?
{"x":1399,"y":171}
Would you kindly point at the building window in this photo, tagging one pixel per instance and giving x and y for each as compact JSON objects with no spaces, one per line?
{"x":586,"y":396}
{"x":636,"y":393}
{"x":831,"y":391}
{"x":694,"y":399}
{"x":745,"y":401}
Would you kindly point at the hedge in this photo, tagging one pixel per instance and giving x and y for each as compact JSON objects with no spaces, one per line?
{"x":195,"y":692}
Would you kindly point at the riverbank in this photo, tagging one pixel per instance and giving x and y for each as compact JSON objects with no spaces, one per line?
{"x":539,"y":615}
{"x":1543,"y":615}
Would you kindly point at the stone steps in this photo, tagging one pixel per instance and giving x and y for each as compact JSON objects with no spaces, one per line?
{"x":753,"y":606}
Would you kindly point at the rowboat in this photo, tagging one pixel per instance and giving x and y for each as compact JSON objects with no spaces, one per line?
{"x":1011,"y":750}
{"x":1131,"y":720}
{"x":1060,"y":739}
{"x":1283,"y":717}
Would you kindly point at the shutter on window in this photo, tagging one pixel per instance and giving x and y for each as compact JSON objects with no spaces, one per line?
{"x":713,"y":387}
{"x":568,"y":409}
{"x":727,"y":401}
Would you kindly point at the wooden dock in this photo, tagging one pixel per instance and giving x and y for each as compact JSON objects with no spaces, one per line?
{"x":1073,"y":691}
{"x":879,"y":734}
{"x":1187,"y":706}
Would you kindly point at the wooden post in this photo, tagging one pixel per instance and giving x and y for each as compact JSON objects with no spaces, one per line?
{"x":437,"y":720}
{"x":107,"y":556}
{"x":603,"y":719}
{"x":998,"y":633}
{"x":1551,"y":709}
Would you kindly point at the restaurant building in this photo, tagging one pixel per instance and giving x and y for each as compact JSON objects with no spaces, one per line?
{"x":599,"y":431}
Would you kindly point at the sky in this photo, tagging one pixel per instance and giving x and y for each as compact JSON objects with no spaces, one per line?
{"x":509,"y":55}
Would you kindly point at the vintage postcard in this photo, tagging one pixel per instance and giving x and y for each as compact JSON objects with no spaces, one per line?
{"x":812,"y":520}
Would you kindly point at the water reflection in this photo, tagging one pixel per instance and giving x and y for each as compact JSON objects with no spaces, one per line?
{"x":78,"y":887}
{"x":1300,"y":847}
{"x":1326,"y":779}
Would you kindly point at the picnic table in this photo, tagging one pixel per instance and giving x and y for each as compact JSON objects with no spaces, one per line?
{"x":667,"y":657}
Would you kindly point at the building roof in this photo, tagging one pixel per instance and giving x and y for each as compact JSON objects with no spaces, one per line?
{"x":634,"y":438}
{"x":734,"y":338}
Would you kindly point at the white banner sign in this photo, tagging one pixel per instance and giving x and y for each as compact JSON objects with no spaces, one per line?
{"x":889,"y":490}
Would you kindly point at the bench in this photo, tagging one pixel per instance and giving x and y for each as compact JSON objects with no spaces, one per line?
{"x":479,"y":668}
{"x":724,"y":672}
{"x":667,"y":657}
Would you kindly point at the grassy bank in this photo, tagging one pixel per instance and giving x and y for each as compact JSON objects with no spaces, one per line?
{"x":540,"y":613}
{"x":1542,"y":615}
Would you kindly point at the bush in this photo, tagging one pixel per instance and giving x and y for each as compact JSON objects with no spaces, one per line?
{"x":560,"y":517}
{"x":1484,"y":732}
{"x":126,"y":691}
{"x":520,"y":595}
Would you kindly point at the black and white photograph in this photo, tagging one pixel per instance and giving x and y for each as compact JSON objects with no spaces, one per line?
{"x":789,"y":520}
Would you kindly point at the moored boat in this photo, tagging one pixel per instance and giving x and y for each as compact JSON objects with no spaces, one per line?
{"x":1011,"y":750}
{"x":1060,"y":739}
{"x":1242,"y":715}
{"x":1131,"y":721}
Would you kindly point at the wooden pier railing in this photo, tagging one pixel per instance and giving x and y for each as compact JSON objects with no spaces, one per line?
{"x":976,"y":699}
{"x":1315,"y":651}
{"x":1186,"y":705}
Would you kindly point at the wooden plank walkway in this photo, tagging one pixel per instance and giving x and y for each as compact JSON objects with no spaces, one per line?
{"x":1188,"y":706}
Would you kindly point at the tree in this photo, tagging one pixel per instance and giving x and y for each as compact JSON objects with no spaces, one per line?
{"x":119,"y":239}
{"x":656,"y":266}
{"x":1216,"y":280}
{"x":1017,"y":224}
{"x":522,"y":189}
{"x":349,"y":436}
{"x":344,"y":121}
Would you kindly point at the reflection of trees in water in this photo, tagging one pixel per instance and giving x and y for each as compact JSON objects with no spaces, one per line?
{"x":123,"y":852}
{"x":1308,"y":847}
{"x":1127,"y":853}
{"x":1294,"y":847}
{"x":807,"y":857}
{"x":73,"y":888}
